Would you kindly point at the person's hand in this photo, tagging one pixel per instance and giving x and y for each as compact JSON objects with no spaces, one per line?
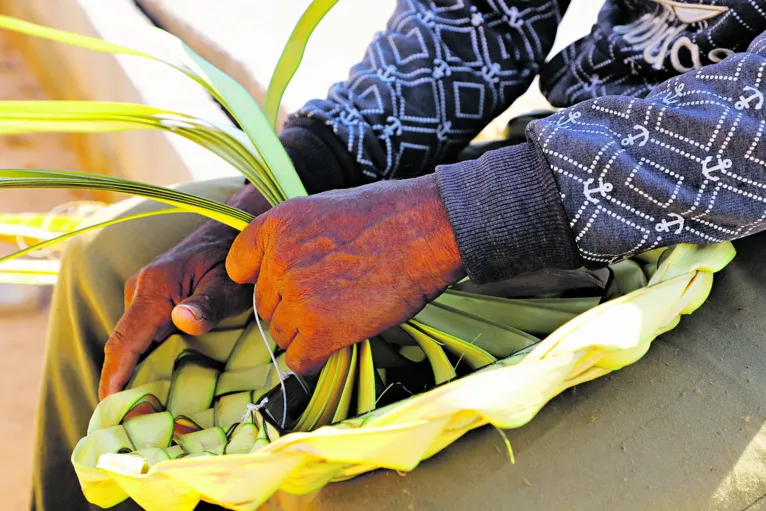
{"x":184,"y":289}
{"x":336,"y":268}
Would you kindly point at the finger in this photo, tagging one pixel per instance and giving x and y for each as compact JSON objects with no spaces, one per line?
{"x":283,"y":327}
{"x":267,"y":295}
{"x":130,"y":290}
{"x":308,"y":355}
{"x":133,"y":334}
{"x":243,"y":262}
{"x":215,"y":298}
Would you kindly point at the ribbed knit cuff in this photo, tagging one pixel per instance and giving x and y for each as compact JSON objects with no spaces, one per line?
{"x":507,"y":215}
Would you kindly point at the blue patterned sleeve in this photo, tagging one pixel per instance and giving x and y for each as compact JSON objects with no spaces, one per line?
{"x":432,"y":80}
{"x":615,"y":176}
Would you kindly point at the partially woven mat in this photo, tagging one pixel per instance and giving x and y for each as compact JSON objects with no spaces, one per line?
{"x":507,"y":394}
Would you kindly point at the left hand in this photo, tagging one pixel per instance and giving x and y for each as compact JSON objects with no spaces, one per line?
{"x":339,"y":267}
{"x":185,"y":289}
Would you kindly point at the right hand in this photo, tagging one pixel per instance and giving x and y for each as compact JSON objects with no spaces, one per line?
{"x":185,"y":289}
{"x":339,"y":267}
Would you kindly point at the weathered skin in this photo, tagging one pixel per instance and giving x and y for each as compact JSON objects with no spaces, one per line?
{"x":331,"y":270}
{"x":184,"y":289}
{"x":336,"y":268}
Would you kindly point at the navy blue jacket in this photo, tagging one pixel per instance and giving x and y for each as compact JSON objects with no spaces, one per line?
{"x":661,"y":141}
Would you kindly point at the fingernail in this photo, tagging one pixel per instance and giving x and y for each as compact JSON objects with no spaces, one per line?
{"x":194,"y":311}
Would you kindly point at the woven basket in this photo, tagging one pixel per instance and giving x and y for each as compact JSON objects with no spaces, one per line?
{"x":507,"y":394}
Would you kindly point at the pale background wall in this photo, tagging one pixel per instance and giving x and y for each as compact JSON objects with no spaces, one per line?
{"x":22,"y":322}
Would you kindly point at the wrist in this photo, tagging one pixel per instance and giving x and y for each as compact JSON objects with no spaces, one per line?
{"x":507,"y":215}
{"x":248,"y":199}
{"x":444,"y":253}
{"x":321,"y":159}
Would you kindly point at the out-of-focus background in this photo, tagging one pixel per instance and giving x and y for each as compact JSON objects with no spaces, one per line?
{"x":243,"y":37}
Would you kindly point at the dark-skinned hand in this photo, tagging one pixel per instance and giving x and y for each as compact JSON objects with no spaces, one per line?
{"x":185,"y":289}
{"x":336,"y":268}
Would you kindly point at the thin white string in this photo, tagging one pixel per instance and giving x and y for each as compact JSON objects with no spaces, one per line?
{"x":251,"y":408}
{"x":274,"y":361}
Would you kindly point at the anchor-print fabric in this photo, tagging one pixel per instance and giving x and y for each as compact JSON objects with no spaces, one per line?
{"x":687,"y":163}
{"x":441,"y":70}
{"x":662,"y":142}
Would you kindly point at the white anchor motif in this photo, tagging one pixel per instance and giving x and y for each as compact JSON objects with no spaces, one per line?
{"x":427,"y":17}
{"x":393,"y":128}
{"x":707,"y":170}
{"x":490,"y":73}
{"x":571,"y":117}
{"x":673,"y":97}
{"x":593,"y":82}
{"x":602,"y":189}
{"x":347,"y":117}
{"x":386,"y":75}
{"x":744,"y":102}
{"x":665,"y":226}
{"x":441,"y":69}
{"x":643,"y":135}
{"x":477,"y":18}
{"x":442,"y":130}
{"x":514,"y":19}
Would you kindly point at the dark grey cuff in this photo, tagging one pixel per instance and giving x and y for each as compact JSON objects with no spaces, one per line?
{"x":507,"y":215}
{"x":322,"y":161}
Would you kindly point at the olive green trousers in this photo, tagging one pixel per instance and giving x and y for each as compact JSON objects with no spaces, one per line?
{"x":682,"y":429}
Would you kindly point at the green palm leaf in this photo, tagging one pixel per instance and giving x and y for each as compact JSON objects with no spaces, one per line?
{"x":292,"y":55}
{"x":227,"y":142}
{"x":82,"y":230}
{"x":161,"y":46}
{"x":70,"y":179}
{"x":42,"y":272}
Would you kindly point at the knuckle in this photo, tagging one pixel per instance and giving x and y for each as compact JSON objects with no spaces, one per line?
{"x":300,"y":363}
{"x":311,"y":328}
{"x":132,"y":280}
{"x":232,"y":264}
{"x":145,"y":309}
{"x":277,"y":328}
{"x":280,"y":261}
{"x":281,"y":217}
{"x":280,"y":335}
{"x":152,"y":285}
{"x":114,"y":344}
{"x":150,"y":270}
{"x":262,"y":302}
{"x":297,"y":288}
{"x":205,"y":255}
{"x":130,"y":288}
{"x":268,"y":231}
{"x":283,"y":325}
{"x":314,"y":314}
{"x":145,"y":277}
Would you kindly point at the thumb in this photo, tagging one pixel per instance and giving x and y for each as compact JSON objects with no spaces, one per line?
{"x":132,"y":336}
{"x":244,"y":260}
{"x":215,"y":298}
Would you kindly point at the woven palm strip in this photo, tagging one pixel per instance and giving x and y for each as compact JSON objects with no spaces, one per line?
{"x":398,"y":437}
